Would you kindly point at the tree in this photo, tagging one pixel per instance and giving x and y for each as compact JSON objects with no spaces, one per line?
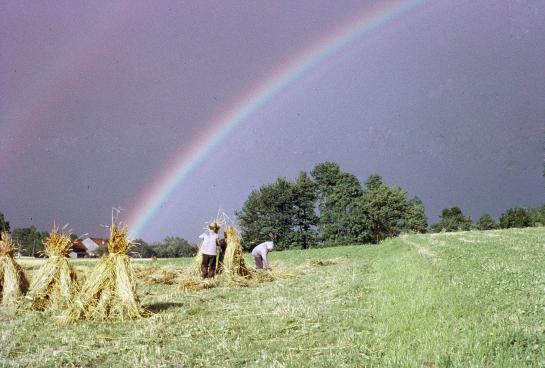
{"x":170,"y":247}
{"x":338,"y":195}
{"x":383,"y":209}
{"x":142,"y":249}
{"x":452,"y":219}
{"x":515,"y":217}
{"x":269,"y":210}
{"x":304,"y":196}
{"x":30,"y":241}
{"x":285,"y":209}
{"x":537,"y":215}
{"x":486,"y":222}
{"x":415,"y":220}
{"x":325,"y":176}
{"x":4,"y":224}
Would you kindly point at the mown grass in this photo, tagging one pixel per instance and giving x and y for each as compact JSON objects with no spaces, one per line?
{"x":460,"y":299}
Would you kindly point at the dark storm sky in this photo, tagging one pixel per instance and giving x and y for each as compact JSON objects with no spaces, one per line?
{"x":447,"y":101}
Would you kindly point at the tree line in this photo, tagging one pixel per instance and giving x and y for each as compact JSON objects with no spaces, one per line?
{"x":328,"y":207}
{"x":322,"y":208}
{"x":453,"y":219}
{"x":331,"y":207}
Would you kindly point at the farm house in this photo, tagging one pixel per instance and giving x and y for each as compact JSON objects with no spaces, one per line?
{"x":87,"y":247}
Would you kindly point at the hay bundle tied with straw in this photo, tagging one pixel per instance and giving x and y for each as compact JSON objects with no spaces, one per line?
{"x":109,"y":292}
{"x":55,"y":283}
{"x":233,"y":261}
{"x":13,"y":281}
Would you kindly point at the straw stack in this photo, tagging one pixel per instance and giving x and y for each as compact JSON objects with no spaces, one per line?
{"x":233,"y":262}
{"x":55,"y":283}
{"x":110,"y":290}
{"x":13,"y":281}
{"x":192,"y":279}
{"x":194,"y":269}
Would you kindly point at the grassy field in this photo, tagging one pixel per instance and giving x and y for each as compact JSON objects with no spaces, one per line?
{"x":468,"y":299}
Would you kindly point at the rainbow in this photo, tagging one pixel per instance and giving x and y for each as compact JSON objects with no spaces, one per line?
{"x":180,"y":168}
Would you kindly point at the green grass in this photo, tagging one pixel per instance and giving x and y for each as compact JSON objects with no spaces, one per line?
{"x":470,"y":299}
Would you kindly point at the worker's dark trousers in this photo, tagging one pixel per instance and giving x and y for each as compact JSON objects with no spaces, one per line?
{"x":258,"y":262}
{"x":208,"y":266}
{"x":221,"y":255}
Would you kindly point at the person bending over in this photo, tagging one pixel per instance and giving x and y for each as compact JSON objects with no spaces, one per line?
{"x":260,"y":255}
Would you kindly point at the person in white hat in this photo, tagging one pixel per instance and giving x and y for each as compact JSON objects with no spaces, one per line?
{"x":260,"y":255}
{"x":208,"y":250}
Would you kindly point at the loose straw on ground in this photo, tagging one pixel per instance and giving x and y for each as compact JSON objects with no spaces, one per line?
{"x":235,"y":271}
{"x":157,"y":275}
{"x":13,"y":281}
{"x":55,"y":283}
{"x":109,"y":292}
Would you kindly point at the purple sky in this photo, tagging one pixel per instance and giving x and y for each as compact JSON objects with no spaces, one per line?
{"x":447,"y":101}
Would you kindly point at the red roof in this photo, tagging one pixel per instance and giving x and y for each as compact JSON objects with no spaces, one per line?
{"x":99,"y":241}
{"x":79,"y":247}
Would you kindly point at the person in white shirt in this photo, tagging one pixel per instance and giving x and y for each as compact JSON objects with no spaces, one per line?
{"x":260,"y":255}
{"x":208,"y":250}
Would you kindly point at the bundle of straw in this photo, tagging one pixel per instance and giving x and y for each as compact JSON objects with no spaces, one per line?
{"x":194,"y":269}
{"x":109,"y":292}
{"x":55,"y":284}
{"x":192,"y":279}
{"x":233,"y":262}
{"x":13,"y":281}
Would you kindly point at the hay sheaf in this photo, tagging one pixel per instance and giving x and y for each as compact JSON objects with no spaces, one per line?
{"x":55,"y":283}
{"x":194,"y":269}
{"x":233,"y":261}
{"x":13,"y":280}
{"x":109,"y":291}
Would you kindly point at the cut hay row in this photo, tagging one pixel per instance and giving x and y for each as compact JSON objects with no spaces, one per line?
{"x":255,"y":278}
{"x":156,"y":275}
{"x":322,"y":262}
{"x":110,"y":289}
{"x":55,"y":283}
{"x":13,"y":280}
